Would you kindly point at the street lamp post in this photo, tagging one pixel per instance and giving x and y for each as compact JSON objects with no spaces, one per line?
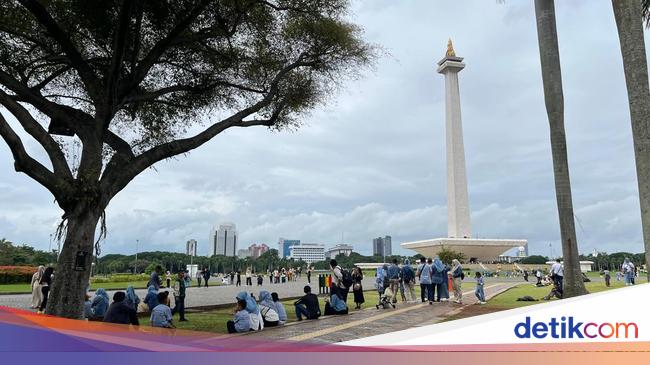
{"x":135,"y":265}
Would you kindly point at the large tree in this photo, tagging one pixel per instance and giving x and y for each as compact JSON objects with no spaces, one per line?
{"x":635,"y":65}
{"x":554,"y":100}
{"x":134,"y":82}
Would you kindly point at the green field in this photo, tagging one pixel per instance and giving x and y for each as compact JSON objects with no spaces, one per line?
{"x":25,"y":288}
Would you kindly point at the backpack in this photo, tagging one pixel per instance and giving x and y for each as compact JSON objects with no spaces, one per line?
{"x":346,"y":278}
{"x":407,"y":274}
{"x":462,"y":275}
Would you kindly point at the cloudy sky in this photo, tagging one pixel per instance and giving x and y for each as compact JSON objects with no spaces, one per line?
{"x":372,"y":162}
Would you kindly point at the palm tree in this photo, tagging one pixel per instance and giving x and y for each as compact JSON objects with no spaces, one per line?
{"x":552,"y":81}
{"x":630,"y":35}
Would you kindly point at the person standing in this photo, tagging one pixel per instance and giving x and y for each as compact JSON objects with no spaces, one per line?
{"x":408,"y":280}
{"x":337,"y":284}
{"x":538,"y":275}
{"x":309,"y":275}
{"x":206,"y":276}
{"x":424,"y":275}
{"x":45,"y":282}
{"x":457,"y":280}
{"x":437,"y":277}
{"x":393,"y":279}
{"x":238,"y":278}
{"x":525,"y":275}
{"x":479,"y":292}
{"x":249,"y":277}
{"x":628,"y":271}
{"x":179,"y":296}
{"x":608,"y":278}
{"x":557,"y":274}
{"x":37,"y":294}
{"x":199,"y":276}
{"x":357,"y":287}
{"x":154,"y":278}
{"x":168,"y":278}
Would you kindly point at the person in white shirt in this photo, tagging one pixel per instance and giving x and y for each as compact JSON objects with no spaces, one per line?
{"x":557,"y":273}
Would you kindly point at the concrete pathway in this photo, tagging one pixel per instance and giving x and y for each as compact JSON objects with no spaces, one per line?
{"x":370,"y":322}
{"x":203,"y":297}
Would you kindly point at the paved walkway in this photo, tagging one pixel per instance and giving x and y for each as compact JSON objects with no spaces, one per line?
{"x":370,"y":322}
{"x":203,"y":297}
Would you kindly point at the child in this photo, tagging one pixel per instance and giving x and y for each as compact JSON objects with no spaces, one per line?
{"x":480,"y":294}
{"x":242,"y":320}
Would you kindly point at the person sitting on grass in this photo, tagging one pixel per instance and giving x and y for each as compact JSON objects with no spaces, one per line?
{"x":267,"y":309}
{"x":335,"y":305}
{"x":120,"y":311}
{"x":555,"y":292}
{"x":307,"y":305}
{"x":88,"y":307}
{"x":480,"y":294}
{"x":279,"y":307}
{"x":132,"y":298}
{"x":99,"y":305}
{"x":242,"y":320}
{"x":151,"y":299}
{"x":161,"y":315}
{"x":257,"y":323}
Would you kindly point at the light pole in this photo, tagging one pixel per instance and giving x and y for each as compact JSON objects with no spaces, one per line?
{"x":50,"y":250}
{"x":135,"y":265}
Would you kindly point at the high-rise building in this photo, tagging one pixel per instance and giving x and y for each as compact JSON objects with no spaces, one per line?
{"x":257,"y":250}
{"x":191,"y":247}
{"x":284,"y":245}
{"x":224,"y":240}
{"x":382,"y":246}
{"x":308,"y":252}
{"x":338,"y":250}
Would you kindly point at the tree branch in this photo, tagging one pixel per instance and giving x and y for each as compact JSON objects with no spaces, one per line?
{"x":23,"y":162}
{"x":119,"y":47}
{"x":37,"y":131}
{"x":41,"y":14}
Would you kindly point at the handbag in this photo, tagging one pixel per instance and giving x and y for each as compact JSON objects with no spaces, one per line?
{"x":356,"y":287}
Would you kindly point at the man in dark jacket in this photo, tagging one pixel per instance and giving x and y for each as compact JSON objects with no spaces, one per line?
{"x":307,"y":305}
{"x":179,"y":296}
{"x":120,"y":312}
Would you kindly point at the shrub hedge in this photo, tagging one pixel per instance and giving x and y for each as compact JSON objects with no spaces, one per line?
{"x":16,"y":274}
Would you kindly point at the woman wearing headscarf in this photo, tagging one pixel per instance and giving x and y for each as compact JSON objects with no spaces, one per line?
{"x":268,"y":310}
{"x":257,"y":323}
{"x":357,"y":287}
{"x":37,"y":295}
{"x":152,"y":297}
{"x":279,"y":307}
{"x":132,"y":299}
{"x":457,"y":279}
{"x":100,"y":304}
{"x":45,"y":282}
{"x":628,"y":271}
{"x":437,"y":277}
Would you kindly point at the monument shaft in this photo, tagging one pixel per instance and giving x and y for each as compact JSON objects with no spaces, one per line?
{"x":459,"y":225}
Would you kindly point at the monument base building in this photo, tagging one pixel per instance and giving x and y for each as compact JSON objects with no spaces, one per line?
{"x":483,"y":250}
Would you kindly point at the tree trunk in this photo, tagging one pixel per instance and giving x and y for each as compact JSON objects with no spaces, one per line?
{"x":553,"y":96}
{"x":630,"y":34}
{"x":72,"y":272}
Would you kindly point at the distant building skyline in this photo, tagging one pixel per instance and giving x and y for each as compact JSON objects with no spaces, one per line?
{"x":256,"y":250}
{"x":308,"y":252}
{"x":224,"y":240}
{"x":191,"y":247}
{"x":284,"y":246}
{"x":338,"y":250}
{"x":382,"y":246}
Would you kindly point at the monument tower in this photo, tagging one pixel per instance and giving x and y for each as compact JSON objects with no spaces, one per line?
{"x":459,"y":235}
{"x":458,"y":223}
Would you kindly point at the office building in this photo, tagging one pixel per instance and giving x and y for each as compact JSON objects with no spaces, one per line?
{"x":190,"y":247}
{"x":256,"y":250}
{"x":308,"y":252}
{"x":338,"y":250}
{"x":382,"y":246}
{"x":224,"y":240}
{"x":284,"y":245}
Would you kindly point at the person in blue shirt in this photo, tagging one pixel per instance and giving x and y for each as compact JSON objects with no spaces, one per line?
{"x":152,"y":297}
{"x":132,"y":298}
{"x":161,"y":315}
{"x":242,"y":320}
{"x":154,"y":279}
{"x":438,"y":276}
{"x":335,"y":306}
{"x":424,"y":274}
{"x":408,"y":279}
{"x":99,"y":304}
{"x":480,"y":294}
{"x":279,"y":307}
{"x":394,"y":279}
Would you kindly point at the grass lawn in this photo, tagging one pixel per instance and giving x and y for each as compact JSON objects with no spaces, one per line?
{"x":25,"y":288}
{"x":508,"y":299}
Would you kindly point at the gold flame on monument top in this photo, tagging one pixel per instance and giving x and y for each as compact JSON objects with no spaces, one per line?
{"x":450,"y":49}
